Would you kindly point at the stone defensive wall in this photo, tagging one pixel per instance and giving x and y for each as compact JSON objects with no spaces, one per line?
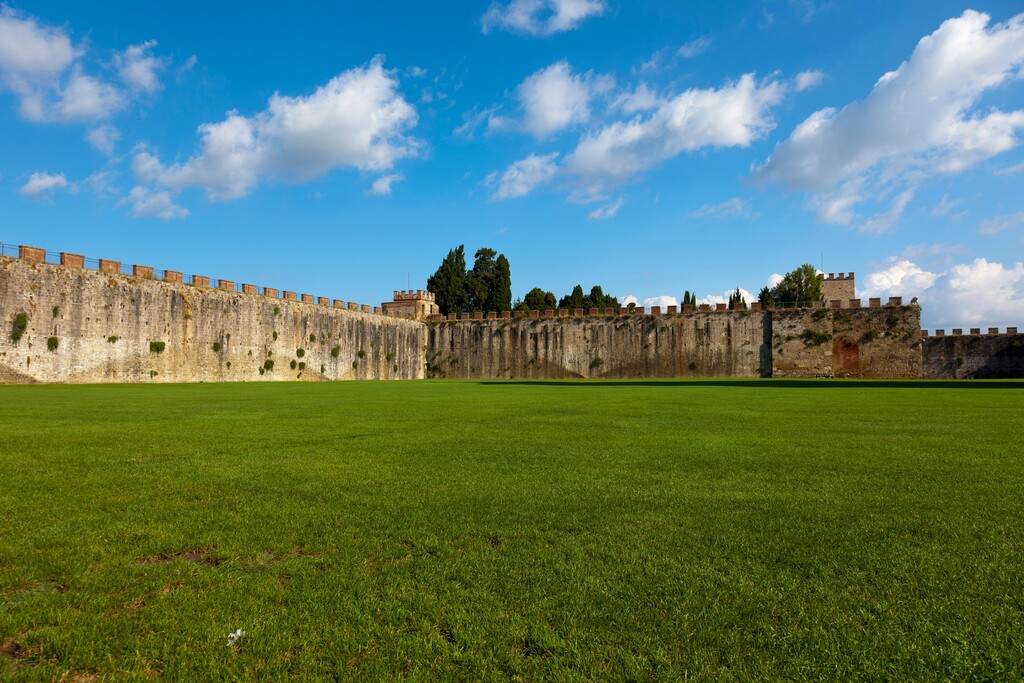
{"x":840,"y":339}
{"x":973,"y":354}
{"x":71,"y":319}
{"x":66,"y":322}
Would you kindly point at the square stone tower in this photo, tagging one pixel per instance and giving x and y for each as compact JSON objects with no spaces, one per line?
{"x":838,"y":288}
{"x":417,"y":303}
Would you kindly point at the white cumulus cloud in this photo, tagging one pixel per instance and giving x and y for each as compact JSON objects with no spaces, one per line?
{"x":138,"y":67}
{"x":918,"y":120}
{"x":104,"y":138}
{"x":805,"y":80}
{"x":981,"y":293}
{"x":715,"y":299}
{"x":555,"y":98}
{"x":522,"y":176}
{"x":897,"y":277}
{"x":659,"y":128}
{"x":40,"y":184}
{"x":731,"y":116}
{"x":664,"y":301}
{"x":382,"y":186}
{"x":540,"y":17}
{"x":358,"y":120}
{"x":42,"y":68}
{"x":147,"y":203}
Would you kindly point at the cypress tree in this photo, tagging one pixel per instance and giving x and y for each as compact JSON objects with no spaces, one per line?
{"x":501,"y":287}
{"x":449,"y":283}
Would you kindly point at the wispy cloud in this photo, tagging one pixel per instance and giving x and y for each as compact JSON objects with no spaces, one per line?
{"x":540,"y":17}
{"x":41,"y":184}
{"x":730,"y":208}
{"x":695,"y":47}
{"x":608,"y":210}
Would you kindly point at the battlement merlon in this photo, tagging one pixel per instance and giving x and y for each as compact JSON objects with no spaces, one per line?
{"x":417,"y":303}
{"x":413,"y":295}
{"x":833,"y":276}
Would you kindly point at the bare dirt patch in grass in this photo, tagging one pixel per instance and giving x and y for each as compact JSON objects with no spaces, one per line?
{"x":198,"y":555}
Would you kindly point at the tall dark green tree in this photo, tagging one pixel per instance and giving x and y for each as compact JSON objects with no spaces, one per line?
{"x":480,"y":279}
{"x":501,"y":289}
{"x":800,"y":287}
{"x":449,"y":282}
{"x":598,"y":299}
{"x":538,"y":300}
{"x":574,"y":300}
{"x":736,"y":298}
{"x":766,"y":298}
{"x":689,"y":298}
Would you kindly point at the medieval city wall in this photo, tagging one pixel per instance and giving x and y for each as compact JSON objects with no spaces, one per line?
{"x":84,"y":326}
{"x":703,"y":344}
{"x":69,"y":323}
{"x":855,"y":341}
{"x":973,"y":355}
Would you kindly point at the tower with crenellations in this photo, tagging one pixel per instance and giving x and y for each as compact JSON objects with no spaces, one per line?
{"x":838,"y":288}
{"x":416,"y":303}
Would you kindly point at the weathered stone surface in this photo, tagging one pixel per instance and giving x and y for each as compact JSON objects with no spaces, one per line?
{"x":988,"y":356}
{"x":877,"y":342}
{"x":801,"y":341}
{"x":701,"y":345}
{"x":106,"y":321}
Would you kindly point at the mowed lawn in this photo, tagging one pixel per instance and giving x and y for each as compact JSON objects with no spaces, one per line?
{"x":716,"y":530}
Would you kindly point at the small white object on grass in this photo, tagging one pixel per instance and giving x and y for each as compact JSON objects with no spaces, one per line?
{"x":235,"y":636}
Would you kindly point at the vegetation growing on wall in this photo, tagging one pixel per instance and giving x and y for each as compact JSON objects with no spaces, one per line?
{"x":19,"y":326}
{"x":814,"y":338}
{"x":52,"y":343}
{"x":157,"y":346}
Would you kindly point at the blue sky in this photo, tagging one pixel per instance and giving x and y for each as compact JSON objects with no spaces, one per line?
{"x":650,"y":147}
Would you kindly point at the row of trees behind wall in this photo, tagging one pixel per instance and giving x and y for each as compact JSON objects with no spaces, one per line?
{"x":487,"y":286}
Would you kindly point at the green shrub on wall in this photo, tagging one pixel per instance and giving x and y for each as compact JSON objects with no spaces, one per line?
{"x":112,"y":339}
{"x":361,"y":353}
{"x":300,"y":352}
{"x":293,"y":364}
{"x":19,"y":327}
{"x":157,"y":346}
{"x":216,"y":347}
{"x":812,"y":338}
{"x":56,"y":311}
{"x":335,"y":351}
{"x":51,"y":344}
{"x":268,"y":365}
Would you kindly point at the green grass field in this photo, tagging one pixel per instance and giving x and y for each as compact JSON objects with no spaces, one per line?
{"x":726,"y":530}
